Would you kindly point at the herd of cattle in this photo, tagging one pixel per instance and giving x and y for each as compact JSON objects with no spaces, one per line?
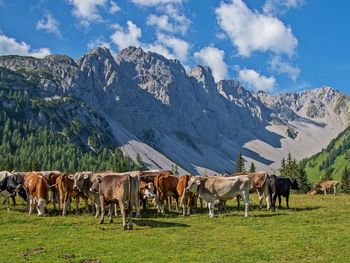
{"x":130,"y":189}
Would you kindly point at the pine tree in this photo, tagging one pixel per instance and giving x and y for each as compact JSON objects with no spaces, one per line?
{"x":302,"y":179}
{"x":327,"y":175}
{"x":174,"y":169}
{"x":252,"y":168}
{"x":345,"y":181}
{"x":240,"y":164}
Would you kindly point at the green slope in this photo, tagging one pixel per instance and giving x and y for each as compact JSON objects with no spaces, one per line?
{"x":335,"y":156}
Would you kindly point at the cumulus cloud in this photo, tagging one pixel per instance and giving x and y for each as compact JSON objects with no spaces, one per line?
{"x":283,"y":67}
{"x":178,"y":46}
{"x":113,"y":7}
{"x":125,"y":37}
{"x":9,"y":46}
{"x":214,"y":58}
{"x":161,"y":22}
{"x":49,"y":24}
{"x":181,"y":22}
{"x":256,"y":80}
{"x":87,"y":10}
{"x":155,"y":2}
{"x":99,"y":42}
{"x":251,"y":31}
{"x":277,"y":7}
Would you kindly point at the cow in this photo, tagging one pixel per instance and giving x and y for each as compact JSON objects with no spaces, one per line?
{"x":280,"y":186}
{"x":328,"y":185}
{"x":186,"y":198}
{"x":51,"y":177}
{"x":113,"y":189}
{"x":10,"y":185}
{"x":258,"y":183}
{"x":146,"y":192}
{"x":222,"y":188}
{"x":37,"y":190}
{"x":165,"y":187}
{"x":315,"y":191}
{"x":65,"y":189}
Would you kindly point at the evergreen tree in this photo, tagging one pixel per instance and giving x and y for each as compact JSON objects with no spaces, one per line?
{"x":252,"y":168}
{"x":302,"y":179}
{"x":327,"y":175}
{"x":174,"y":169}
{"x":345,"y":181}
{"x":240,"y":164}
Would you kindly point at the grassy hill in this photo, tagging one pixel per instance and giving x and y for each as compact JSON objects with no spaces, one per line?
{"x":335,"y":156}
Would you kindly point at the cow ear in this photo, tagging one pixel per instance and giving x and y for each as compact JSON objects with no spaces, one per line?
{"x":86,"y":176}
{"x":198,"y":182}
{"x":70,"y":176}
{"x":98,"y":179}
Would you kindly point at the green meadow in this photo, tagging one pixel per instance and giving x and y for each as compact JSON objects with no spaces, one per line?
{"x":315,"y":229}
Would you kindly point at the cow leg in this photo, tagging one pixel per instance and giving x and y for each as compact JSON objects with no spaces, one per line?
{"x":65,"y":204}
{"x":325,"y":191}
{"x":31,"y":202}
{"x":260,"y":195}
{"x":86,"y":200}
{"x":122,"y":212}
{"x":279,"y":202}
{"x":41,"y":206}
{"x":246,"y":203}
{"x":335,"y":190}
{"x":111,"y":213}
{"x":211,"y":206}
{"x":239,"y":197}
{"x":274,"y":198}
{"x":13,"y":197}
{"x":287,"y":201}
{"x":102,"y":203}
{"x":169,"y":201}
{"x":77,"y":200}
{"x":268,"y":196}
{"x":8,"y":202}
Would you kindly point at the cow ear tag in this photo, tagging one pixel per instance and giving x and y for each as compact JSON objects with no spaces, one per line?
{"x":198,"y":182}
{"x":86,"y":176}
{"x":71,"y":176}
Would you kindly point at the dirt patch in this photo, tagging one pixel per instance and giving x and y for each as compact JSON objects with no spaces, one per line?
{"x":68,"y":256}
{"x":33,"y":251}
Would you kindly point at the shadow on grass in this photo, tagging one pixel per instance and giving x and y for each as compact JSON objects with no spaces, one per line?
{"x":157,"y":224}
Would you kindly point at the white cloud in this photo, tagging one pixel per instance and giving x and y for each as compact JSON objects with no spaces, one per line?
{"x":250,"y":31}
{"x":161,"y":22}
{"x":160,"y":49}
{"x":214,"y":58}
{"x":87,"y":10}
{"x":98,"y":43}
{"x":257,"y":81}
{"x":180,"y":47}
{"x":280,"y":66}
{"x":49,"y":24}
{"x":181,"y":22}
{"x":276,"y":7}
{"x":113,"y":7}
{"x":155,"y":2}
{"x":125,"y":37}
{"x":9,"y":46}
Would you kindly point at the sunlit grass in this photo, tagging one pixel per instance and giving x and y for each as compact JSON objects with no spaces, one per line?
{"x":316,"y":228}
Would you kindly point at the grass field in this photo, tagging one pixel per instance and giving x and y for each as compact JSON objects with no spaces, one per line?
{"x":315,"y":229}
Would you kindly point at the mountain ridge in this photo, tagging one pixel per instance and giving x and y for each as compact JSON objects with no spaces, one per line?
{"x":155,"y":108}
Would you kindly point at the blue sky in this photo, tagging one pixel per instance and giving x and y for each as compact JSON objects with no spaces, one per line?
{"x":271,"y":45}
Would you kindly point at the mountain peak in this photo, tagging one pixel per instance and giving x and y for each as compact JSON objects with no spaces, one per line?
{"x":203,"y":74}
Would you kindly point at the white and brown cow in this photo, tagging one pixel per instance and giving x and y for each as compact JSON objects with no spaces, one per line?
{"x":328,"y":185}
{"x":222,"y":188}
{"x":37,"y":189}
{"x":121,"y":189}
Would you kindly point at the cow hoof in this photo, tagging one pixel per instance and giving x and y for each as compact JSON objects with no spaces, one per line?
{"x":101,"y":222}
{"x":111,"y":221}
{"x":130,"y":226}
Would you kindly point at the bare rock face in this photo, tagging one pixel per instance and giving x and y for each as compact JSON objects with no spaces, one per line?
{"x":154,"y":108}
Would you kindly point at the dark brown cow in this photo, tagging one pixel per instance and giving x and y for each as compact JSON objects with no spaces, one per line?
{"x":37,"y":189}
{"x":51,"y":177}
{"x":258,"y":183}
{"x":113,"y":189}
{"x":165,"y":186}
{"x":186,"y":198}
{"x":328,"y":185}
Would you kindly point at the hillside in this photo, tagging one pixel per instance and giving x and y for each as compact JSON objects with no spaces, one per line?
{"x":335,"y":156}
{"x":149,"y":106}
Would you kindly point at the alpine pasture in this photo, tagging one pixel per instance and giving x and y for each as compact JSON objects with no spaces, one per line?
{"x":315,"y":229}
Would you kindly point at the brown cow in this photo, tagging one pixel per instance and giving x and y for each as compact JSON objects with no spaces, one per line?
{"x":37,"y":189}
{"x":327,"y":185}
{"x":51,"y":177}
{"x":165,"y":186}
{"x":121,"y":189}
{"x":258,"y":183}
{"x":315,"y":191}
{"x":65,"y":189}
{"x":186,"y":198}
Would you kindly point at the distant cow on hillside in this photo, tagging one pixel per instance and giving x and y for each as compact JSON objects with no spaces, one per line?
{"x":328,"y":185}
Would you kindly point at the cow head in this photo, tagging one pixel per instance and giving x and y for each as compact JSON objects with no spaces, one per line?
{"x":96,"y":185}
{"x":294,"y":184}
{"x":149,"y":191}
{"x":79,"y":180}
{"x":193,"y":185}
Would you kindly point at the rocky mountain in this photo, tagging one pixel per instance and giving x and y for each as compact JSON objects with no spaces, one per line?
{"x":154,"y":108}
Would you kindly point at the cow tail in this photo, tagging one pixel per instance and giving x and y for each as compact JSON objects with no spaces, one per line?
{"x":184,"y":190}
